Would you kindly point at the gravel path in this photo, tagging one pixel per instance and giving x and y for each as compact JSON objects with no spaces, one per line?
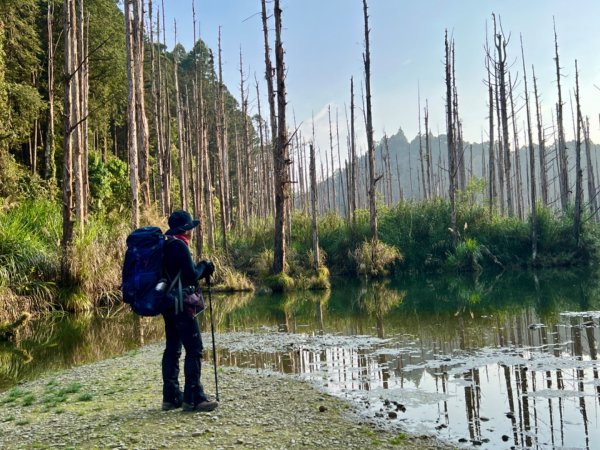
{"x":115,"y":404}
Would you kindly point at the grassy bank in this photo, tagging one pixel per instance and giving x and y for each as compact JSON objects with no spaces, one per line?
{"x":414,"y":237}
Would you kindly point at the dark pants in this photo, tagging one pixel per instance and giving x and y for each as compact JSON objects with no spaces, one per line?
{"x":181,"y":329}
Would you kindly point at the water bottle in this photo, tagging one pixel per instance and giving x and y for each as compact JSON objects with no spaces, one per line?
{"x":161,"y":286}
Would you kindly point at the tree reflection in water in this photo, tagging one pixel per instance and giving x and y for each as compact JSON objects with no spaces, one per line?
{"x":464,"y":354}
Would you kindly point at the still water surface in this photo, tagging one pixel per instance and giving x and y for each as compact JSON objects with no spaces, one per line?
{"x":500,"y":361}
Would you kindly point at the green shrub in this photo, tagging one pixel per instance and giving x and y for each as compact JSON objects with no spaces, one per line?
{"x":280,"y":282}
{"x":374,"y":259}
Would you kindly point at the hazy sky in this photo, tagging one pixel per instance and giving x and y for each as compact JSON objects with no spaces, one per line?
{"x":324,"y":42}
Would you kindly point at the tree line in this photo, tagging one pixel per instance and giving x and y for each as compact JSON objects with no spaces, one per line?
{"x":160,"y":128}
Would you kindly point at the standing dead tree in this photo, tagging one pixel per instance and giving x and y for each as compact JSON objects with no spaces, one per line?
{"x":132,"y":141}
{"x":532,"y":184}
{"x":332,"y":162}
{"x":492,"y":193}
{"x":541,"y":143}
{"x":450,"y":136}
{"x":142,"y":133}
{"x":183,"y":181}
{"x":270,"y":89}
{"x":578,"y":171}
{"x":221,"y":149}
{"x":281,"y":158}
{"x":157,"y":109}
{"x":517,"y":157}
{"x":50,"y":164}
{"x":369,"y":125}
{"x":313,"y":208}
{"x":428,"y":152}
{"x":422,"y":157}
{"x":563,"y":165}
{"x":352,"y":189}
{"x":591,"y":179}
{"x":69,"y":66}
{"x":501,"y":42}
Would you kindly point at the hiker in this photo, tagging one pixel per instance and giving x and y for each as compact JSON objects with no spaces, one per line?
{"x":182,"y":327}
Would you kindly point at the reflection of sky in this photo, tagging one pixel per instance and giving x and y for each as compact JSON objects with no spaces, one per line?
{"x":463,"y":387}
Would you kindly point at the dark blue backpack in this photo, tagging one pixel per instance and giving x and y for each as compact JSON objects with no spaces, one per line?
{"x":143,"y":285}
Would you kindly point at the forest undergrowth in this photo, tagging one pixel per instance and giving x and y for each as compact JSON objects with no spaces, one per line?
{"x":413,"y":237}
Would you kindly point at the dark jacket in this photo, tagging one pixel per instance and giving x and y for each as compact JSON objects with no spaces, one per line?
{"x":177,"y":257}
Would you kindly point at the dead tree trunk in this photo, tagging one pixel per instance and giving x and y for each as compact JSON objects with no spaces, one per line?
{"x":532,"y":186}
{"x":247,"y":198}
{"x":67,"y":230}
{"x":221,"y":144}
{"x":369,"y":124}
{"x":451,"y":143}
{"x":501,"y":44}
{"x":459,"y":149}
{"x":132,"y":141}
{"x":340,"y":176}
{"x":280,"y":156}
{"x":578,"y":171}
{"x":541,"y":142}
{"x":591,"y":179}
{"x":428,"y":153}
{"x":164,"y":116}
{"x":182,"y":150}
{"x":83,"y":108}
{"x":269,"y":79}
{"x":422,"y":157}
{"x":332,"y":163}
{"x":491,"y":159}
{"x":143,"y":146}
{"x":265,"y":173}
{"x":562,"y":147}
{"x":199,"y":147}
{"x":518,"y":180}
{"x":50,"y":164}
{"x":157,"y":109}
{"x":313,"y":208}
{"x":76,"y":122}
{"x":352,"y":190}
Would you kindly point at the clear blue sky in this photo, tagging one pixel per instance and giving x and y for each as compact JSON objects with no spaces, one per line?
{"x":324,"y":41}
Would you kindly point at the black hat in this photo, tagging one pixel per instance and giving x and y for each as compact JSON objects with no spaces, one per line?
{"x":180,"y":221}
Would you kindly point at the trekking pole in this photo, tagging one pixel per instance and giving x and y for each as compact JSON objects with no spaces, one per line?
{"x":212,"y":332}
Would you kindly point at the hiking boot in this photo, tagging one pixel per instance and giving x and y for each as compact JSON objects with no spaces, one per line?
{"x":203,"y":405}
{"x":168,"y":405}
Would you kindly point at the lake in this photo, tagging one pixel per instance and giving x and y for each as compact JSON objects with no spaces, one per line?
{"x":497,"y":361}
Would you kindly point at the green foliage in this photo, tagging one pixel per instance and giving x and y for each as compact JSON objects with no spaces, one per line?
{"x":280,"y":282}
{"x":17,"y":183}
{"x":20,"y":101}
{"x":24,"y":106}
{"x":466,"y":257}
{"x":109,"y":183}
{"x":29,"y":234}
{"x":226,"y":277}
{"x":108,"y":70}
{"x":374,"y":259}
{"x":4,"y":129}
{"x":97,"y":257}
{"x":314,"y":281}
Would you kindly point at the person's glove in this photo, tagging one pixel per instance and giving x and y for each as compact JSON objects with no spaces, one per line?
{"x":206,"y":269}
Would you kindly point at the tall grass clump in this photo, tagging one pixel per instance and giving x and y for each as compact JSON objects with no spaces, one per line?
{"x":375,"y":259}
{"x":420,"y":230}
{"x":226,"y":277}
{"x":96,"y":264}
{"x":29,"y":257}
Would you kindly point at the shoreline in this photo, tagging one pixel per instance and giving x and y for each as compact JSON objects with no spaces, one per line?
{"x":115,"y":403}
